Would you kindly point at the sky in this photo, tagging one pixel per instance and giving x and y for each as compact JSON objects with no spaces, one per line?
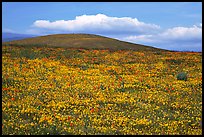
{"x":166,"y":25}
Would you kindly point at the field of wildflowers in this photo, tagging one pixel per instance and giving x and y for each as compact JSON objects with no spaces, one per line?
{"x":78,"y":91}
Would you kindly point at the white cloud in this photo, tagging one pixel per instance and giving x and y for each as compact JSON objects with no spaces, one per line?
{"x":99,"y":23}
{"x":8,"y":30}
{"x":140,"y":38}
{"x":182,"y":33}
{"x":38,"y":32}
{"x":177,"y":38}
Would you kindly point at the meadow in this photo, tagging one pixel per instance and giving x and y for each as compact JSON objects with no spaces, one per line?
{"x":87,"y":92}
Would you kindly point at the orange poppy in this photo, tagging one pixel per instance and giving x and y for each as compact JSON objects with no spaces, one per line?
{"x":112,"y":125}
{"x":71,"y":124}
{"x":120,"y":79}
{"x":69,"y":118}
{"x":5,"y":89}
{"x":92,"y":110}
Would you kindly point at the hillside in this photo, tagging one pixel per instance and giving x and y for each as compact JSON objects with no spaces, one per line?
{"x":86,"y":41}
{"x":14,"y":36}
{"x":53,"y":91}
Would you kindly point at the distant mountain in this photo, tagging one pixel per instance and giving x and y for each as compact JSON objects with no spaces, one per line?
{"x":85,"y":41}
{"x":14,"y":36}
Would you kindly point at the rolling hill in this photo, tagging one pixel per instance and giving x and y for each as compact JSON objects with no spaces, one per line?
{"x":85,"y":41}
{"x":14,"y":36}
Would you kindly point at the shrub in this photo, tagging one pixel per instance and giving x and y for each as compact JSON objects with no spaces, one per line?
{"x":28,"y":53}
{"x":174,"y":61}
{"x":182,"y":76}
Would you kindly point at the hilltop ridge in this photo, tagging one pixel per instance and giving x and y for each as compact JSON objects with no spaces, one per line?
{"x":85,"y":41}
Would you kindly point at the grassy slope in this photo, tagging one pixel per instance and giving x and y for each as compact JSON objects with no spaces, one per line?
{"x":86,"y":41}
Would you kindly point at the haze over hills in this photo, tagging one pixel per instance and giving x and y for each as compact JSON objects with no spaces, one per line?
{"x":7,"y":36}
{"x":86,"y":41}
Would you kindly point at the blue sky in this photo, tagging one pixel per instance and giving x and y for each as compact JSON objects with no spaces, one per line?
{"x":169,"y":25}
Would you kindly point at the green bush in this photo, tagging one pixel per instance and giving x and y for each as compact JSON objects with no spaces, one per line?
{"x":28,"y":53}
{"x":182,"y":76}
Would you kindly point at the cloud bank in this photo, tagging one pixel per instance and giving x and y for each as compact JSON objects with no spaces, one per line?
{"x":177,"y":38}
{"x":127,"y":29}
{"x":99,"y":23}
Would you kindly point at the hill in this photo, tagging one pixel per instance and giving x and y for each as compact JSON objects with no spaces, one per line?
{"x":85,"y":41}
{"x":14,"y":36}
